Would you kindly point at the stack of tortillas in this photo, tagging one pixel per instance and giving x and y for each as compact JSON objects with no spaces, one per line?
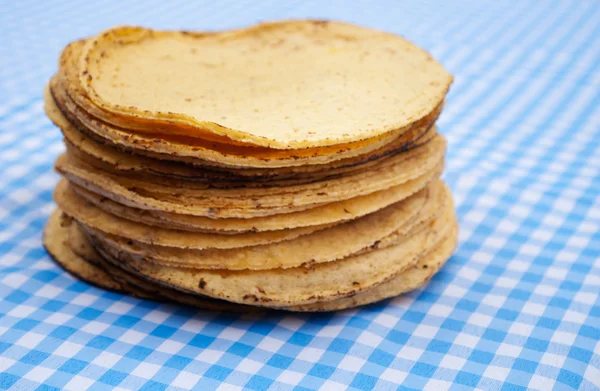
{"x":291,"y":165}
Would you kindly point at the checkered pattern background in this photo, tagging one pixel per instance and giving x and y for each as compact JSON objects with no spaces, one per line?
{"x":517,"y":307}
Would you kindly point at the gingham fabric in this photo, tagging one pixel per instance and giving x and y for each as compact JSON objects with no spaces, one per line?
{"x":517,"y":307}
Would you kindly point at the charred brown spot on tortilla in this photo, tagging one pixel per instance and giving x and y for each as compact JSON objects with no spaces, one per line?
{"x":308,"y":265}
{"x":251,"y":297}
{"x":321,"y":23}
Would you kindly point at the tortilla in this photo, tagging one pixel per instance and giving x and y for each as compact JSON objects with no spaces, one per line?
{"x":103,"y":155}
{"x":197,"y":152}
{"x":357,"y":83}
{"x":411,"y":279}
{"x":295,"y":286}
{"x":330,"y":213}
{"x":71,"y":99}
{"x":383,"y":228}
{"x":253,"y":202}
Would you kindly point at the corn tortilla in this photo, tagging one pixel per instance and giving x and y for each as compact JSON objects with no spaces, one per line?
{"x":295,"y":286}
{"x":353,"y":80}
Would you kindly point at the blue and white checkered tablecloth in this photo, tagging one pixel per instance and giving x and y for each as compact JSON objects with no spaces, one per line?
{"x":517,"y":307}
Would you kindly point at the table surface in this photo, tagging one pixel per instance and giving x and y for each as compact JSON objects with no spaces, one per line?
{"x":516,"y":307}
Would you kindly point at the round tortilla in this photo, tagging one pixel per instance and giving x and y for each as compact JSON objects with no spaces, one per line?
{"x":68,"y":96}
{"x":102,"y":154}
{"x":295,"y":286}
{"x":352,"y":80}
{"x":383,"y":228}
{"x":254,"y":202}
{"x":330,"y":213}
{"x":70,"y":248}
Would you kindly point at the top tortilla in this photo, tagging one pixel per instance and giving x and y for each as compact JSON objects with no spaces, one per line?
{"x":282,"y":85}
{"x":66,"y":98}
